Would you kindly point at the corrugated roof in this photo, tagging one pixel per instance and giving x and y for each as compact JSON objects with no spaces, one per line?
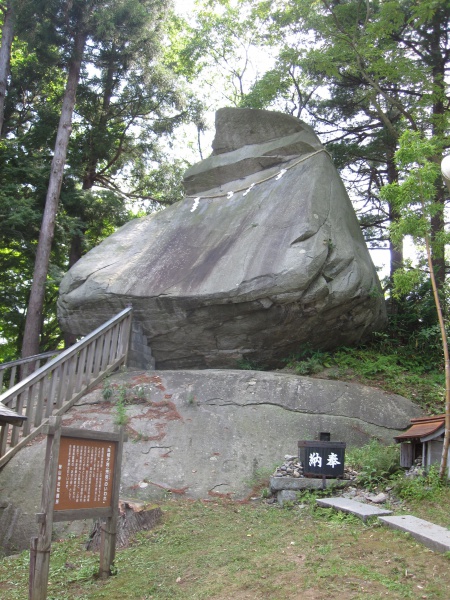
{"x":421,"y":427}
{"x":9,"y":416}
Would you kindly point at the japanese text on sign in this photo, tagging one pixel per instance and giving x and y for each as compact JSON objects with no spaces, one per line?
{"x":85,"y":474}
{"x":315,"y":460}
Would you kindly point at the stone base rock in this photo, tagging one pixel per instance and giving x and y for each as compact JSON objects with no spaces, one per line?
{"x":205,"y":434}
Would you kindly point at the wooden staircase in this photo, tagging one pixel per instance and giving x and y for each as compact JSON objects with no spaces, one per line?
{"x":53,"y":388}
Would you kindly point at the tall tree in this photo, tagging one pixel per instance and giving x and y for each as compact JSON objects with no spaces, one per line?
{"x":220,"y":43}
{"x":7,"y":11}
{"x":371,"y":70}
{"x":33,"y":322}
{"x":417,"y":203}
{"x":81,"y":24}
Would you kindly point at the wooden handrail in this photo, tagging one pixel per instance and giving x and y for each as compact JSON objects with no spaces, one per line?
{"x":56,"y":386}
{"x":13,"y":364}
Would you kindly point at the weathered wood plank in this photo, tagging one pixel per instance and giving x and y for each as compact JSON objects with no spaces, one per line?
{"x":114,"y":349}
{"x":39,"y":411}
{"x":90,"y":362}
{"x":16,"y":430}
{"x":90,"y":435}
{"x":63,"y":380}
{"x":4,"y":438}
{"x":105,"y":354}
{"x":12,"y":376}
{"x":72,"y":369}
{"x":109,"y":532}
{"x":82,"y":513}
{"x":98,"y":356}
{"x":80,"y":370}
{"x":29,"y":411}
{"x":58,"y":398}
{"x":66,"y":353}
{"x":42,"y":562}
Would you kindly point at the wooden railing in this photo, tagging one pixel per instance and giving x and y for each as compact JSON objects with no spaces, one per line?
{"x":17,"y":369}
{"x":55,"y":387}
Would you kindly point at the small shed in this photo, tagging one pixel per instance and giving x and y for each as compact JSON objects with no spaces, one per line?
{"x":9,"y":416}
{"x":424,"y":439}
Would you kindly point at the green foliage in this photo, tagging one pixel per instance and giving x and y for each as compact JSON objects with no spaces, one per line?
{"x":223,"y":549}
{"x":245,"y":364}
{"x":415,"y":194}
{"x":122,"y":396}
{"x":215,"y":50}
{"x":127,"y":102}
{"x":426,"y":486}
{"x":308,"y":361}
{"x":121,"y":417}
{"x":107,"y":390}
{"x":405,"y":359}
{"x":376,"y":464}
{"x":260,"y":478}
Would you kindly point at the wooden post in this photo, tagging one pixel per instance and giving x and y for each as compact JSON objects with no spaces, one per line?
{"x":33,"y":547}
{"x":109,"y":527}
{"x":39,"y":566}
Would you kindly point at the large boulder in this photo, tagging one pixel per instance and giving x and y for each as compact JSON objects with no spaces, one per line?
{"x":264,"y":254}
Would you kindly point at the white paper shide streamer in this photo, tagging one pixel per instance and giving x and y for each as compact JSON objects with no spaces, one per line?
{"x":194,"y":206}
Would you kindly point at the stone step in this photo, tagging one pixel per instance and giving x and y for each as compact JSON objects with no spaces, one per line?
{"x":435,"y":537}
{"x":359,"y":509}
{"x":139,"y":352}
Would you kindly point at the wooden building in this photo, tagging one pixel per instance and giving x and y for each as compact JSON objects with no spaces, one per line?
{"x":424,"y":439}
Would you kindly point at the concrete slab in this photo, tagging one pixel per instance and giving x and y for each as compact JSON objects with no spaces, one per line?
{"x":359,"y":509}
{"x":435,"y":537}
{"x":305,"y":483}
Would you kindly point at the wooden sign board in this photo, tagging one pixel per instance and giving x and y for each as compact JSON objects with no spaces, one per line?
{"x":85,"y":473}
{"x":81,"y":481}
{"x":323,"y":459}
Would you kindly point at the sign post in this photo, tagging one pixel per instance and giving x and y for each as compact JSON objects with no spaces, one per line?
{"x":40,"y":546}
{"x":81,"y":481}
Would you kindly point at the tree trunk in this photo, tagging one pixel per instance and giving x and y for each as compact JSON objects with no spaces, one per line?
{"x":133,"y":518}
{"x":5,"y":57}
{"x":89,"y":179}
{"x":395,"y":251}
{"x":438,"y":37}
{"x":30,"y":344}
{"x":438,"y":250}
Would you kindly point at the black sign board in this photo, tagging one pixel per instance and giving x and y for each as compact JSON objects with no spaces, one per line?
{"x":322,"y":459}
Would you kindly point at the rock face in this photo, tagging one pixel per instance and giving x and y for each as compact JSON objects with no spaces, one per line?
{"x":263,"y":255}
{"x":204,"y":433}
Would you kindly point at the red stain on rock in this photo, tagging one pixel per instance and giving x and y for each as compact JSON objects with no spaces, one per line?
{"x":148,"y":438}
{"x":164,"y":410}
{"x":179,"y":491}
{"x":156,"y":379}
{"x":141,"y":378}
{"x":214,"y":494}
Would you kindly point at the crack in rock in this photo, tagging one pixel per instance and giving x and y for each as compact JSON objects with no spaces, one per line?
{"x":157,"y":448}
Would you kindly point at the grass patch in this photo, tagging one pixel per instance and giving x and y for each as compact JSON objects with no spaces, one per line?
{"x":376,"y":464}
{"x":224,"y":550}
{"x":394,"y":367}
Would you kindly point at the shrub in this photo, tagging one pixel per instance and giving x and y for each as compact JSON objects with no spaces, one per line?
{"x":375,"y":463}
{"x":426,"y":486}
